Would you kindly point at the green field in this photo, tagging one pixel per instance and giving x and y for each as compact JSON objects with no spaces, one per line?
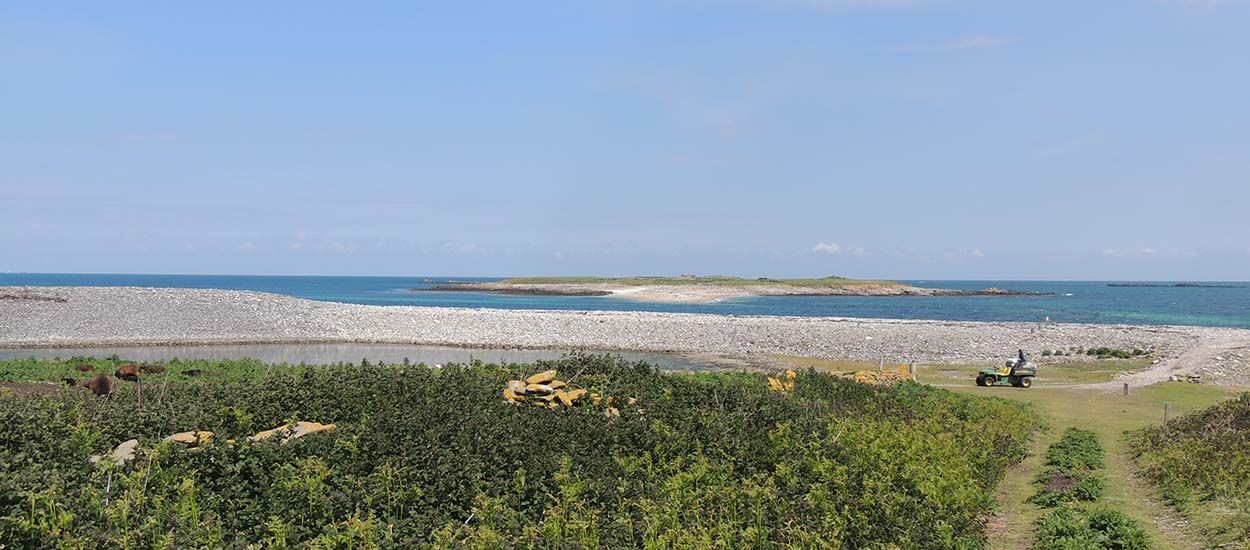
{"x":436,"y":457}
{"x":824,"y":282}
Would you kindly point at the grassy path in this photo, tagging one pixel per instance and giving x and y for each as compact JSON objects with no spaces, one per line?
{"x":1109,"y":415}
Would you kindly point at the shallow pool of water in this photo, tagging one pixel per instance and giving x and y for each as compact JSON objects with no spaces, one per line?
{"x":321,"y":354}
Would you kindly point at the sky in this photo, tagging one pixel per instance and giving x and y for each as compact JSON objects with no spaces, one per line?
{"x":906,"y":139}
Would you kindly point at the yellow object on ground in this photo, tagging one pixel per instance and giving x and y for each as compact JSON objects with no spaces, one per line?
{"x":192,"y":438}
{"x":291,"y":432}
{"x":542,"y":377}
{"x":553,"y":394}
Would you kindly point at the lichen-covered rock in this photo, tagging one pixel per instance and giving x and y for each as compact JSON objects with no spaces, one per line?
{"x":192,"y":438}
{"x":542,"y":377}
{"x":122,"y":454}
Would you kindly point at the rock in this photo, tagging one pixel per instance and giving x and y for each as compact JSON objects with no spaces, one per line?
{"x":122,"y":454}
{"x":85,"y":367}
{"x":192,"y":439}
{"x":151,"y":369}
{"x":291,"y":432}
{"x":100,"y":385}
{"x":540,"y":389}
{"x":542,"y":377}
{"x":129,"y":373}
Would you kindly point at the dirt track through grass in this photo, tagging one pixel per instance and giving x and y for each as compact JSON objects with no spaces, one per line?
{"x":1109,"y":415}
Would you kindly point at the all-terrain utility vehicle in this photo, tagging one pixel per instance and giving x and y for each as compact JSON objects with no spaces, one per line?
{"x":1017,"y":372}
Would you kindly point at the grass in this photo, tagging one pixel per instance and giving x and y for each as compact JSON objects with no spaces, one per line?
{"x":1068,"y":372}
{"x":715,"y":280}
{"x":1109,"y":415}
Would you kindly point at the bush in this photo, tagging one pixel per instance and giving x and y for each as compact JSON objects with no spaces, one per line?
{"x":1070,"y":475}
{"x":1203,"y":459}
{"x":1071,"y":527}
{"x":436,"y":457}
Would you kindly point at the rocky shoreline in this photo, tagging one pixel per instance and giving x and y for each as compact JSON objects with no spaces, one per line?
{"x":94,"y":316}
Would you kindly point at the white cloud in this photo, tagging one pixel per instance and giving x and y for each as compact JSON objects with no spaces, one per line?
{"x":826,"y":248}
{"x":1147,"y":252}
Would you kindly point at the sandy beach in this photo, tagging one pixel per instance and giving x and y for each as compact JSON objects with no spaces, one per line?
{"x":94,"y":316}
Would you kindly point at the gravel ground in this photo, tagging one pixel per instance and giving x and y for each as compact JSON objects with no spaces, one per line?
{"x":85,"y":316}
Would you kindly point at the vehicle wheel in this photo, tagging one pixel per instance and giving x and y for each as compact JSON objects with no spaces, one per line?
{"x":1026,"y":381}
{"x":990,"y":380}
{"x":981,"y":380}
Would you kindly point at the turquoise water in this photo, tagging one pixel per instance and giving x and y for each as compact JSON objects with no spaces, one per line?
{"x":1071,"y":302}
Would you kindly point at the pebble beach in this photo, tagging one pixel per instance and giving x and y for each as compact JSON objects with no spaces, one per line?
{"x":99,"y":316}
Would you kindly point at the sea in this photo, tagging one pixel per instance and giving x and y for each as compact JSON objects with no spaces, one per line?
{"x":1218,"y":304}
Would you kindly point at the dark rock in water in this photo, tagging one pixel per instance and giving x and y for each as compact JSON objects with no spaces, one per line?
{"x":100,"y":385}
{"x":85,"y":367}
{"x":129,"y":373}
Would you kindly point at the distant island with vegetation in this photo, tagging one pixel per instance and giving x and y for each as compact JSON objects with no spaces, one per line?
{"x":703,"y":289}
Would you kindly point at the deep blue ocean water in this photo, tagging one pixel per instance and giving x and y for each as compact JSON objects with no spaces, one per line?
{"x":1072,"y":301}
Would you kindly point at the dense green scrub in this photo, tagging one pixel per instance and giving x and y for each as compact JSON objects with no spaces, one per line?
{"x":1069,"y":481}
{"x":436,"y":457}
{"x":1201,"y":462}
{"x":1070,"y":472}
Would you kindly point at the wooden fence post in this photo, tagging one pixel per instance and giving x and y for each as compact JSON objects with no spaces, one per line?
{"x":1166,"y":405}
{"x":1126,"y":388}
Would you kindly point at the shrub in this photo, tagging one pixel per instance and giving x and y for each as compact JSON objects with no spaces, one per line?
{"x":1203,"y":459}
{"x":435,"y":457}
{"x":1071,"y":527}
{"x":1070,"y":475}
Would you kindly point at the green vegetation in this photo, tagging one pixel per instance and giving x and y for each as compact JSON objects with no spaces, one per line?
{"x":718,"y":280}
{"x":436,"y":457}
{"x":1109,"y":415}
{"x":1201,"y":462}
{"x":1102,"y":353}
{"x":1070,"y":475}
{"x":1077,"y":528}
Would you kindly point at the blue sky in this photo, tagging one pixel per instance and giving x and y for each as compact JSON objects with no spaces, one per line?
{"x":874,"y":138}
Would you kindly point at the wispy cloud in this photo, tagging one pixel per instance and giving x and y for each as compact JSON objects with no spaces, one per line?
{"x":966,"y":42}
{"x":835,"y":248}
{"x":1146,"y":252}
{"x":827,"y":248}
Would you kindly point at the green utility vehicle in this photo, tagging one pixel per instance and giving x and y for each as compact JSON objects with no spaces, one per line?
{"x":1017,"y":372}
